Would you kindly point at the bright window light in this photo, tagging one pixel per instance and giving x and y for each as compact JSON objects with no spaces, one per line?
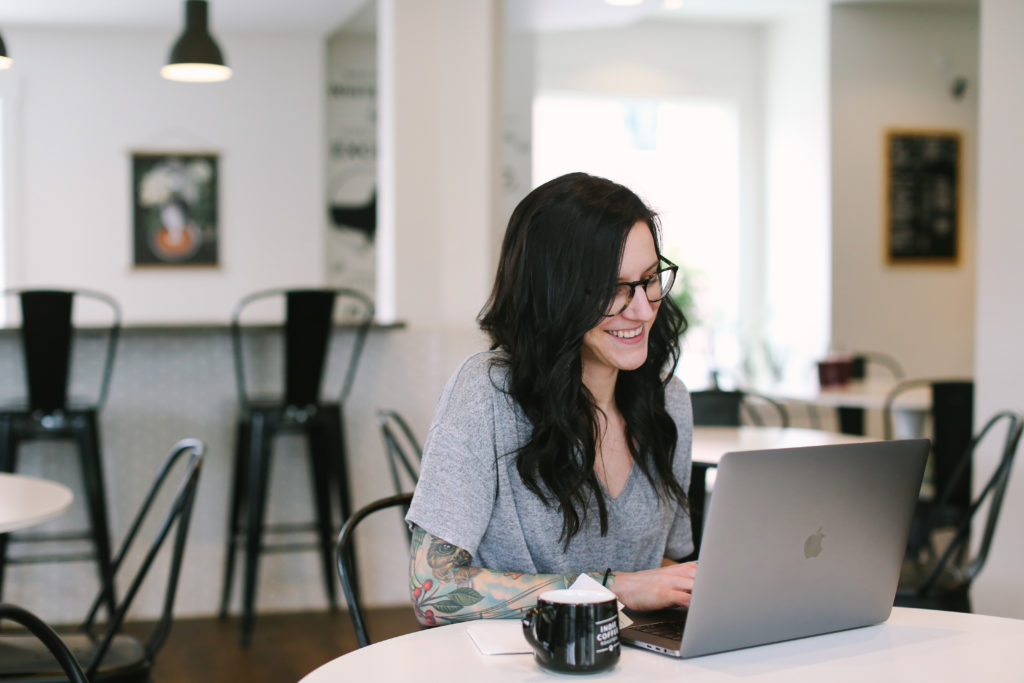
{"x":682,"y":157}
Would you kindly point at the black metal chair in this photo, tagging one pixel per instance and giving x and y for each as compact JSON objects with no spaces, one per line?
{"x":851,"y":420}
{"x":718,"y":408}
{"x":952,"y":426}
{"x":944,"y":582}
{"x":402,"y":449}
{"x":49,"y":341}
{"x":298,"y":408}
{"x":110,"y":655}
{"x":347,"y":562}
{"x":47,"y":637}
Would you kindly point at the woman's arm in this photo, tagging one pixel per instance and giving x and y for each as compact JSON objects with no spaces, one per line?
{"x":445,"y":588}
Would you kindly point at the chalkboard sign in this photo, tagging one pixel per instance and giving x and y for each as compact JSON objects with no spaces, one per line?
{"x":923,"y":196}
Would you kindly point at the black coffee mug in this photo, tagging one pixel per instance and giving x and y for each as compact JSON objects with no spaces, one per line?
{"x":574,"y":631}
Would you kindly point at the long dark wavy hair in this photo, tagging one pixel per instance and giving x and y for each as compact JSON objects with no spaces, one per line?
{"x":558,"y":269}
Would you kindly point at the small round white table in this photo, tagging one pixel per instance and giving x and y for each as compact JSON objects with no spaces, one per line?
{"x":913,"y":645}
{"x":26,"y":501}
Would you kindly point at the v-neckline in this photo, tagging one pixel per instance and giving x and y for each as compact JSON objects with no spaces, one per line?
{"x":625,"y":486}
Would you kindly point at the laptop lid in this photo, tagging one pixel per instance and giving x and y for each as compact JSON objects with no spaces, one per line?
{"x":802,"y":541}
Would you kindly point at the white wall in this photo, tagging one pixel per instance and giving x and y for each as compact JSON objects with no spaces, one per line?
{"x":999,"y":326}
{"x":440,"y":113}
{"x":85,"y":99}
{"x":892,"y":68}
{"x":797,"y":188}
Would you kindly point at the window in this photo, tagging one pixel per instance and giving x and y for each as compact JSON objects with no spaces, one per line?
{"x":682,"y":157}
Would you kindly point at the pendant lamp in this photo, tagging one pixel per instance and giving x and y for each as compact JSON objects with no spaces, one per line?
{"x":195,"y":56}
{"x":5,"y":61}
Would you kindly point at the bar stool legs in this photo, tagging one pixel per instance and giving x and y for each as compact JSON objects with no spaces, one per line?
{"x":247,"y":525}
{"x":88,"y":439}
{"x":321,"y":448}
{"x":239,"y":479}
{"x":81,"y":427}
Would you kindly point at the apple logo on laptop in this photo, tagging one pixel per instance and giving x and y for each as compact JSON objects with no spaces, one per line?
{"x":812,"y":546}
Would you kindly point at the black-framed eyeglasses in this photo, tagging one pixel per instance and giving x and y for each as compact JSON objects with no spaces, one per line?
{"x":656,"y":287}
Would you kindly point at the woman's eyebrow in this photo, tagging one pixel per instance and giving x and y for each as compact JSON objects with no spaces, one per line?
{"x":645,"y":270}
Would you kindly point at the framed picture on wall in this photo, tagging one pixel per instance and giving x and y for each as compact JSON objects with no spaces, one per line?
{"x":922,"y":204}
{"x":174,"y":209}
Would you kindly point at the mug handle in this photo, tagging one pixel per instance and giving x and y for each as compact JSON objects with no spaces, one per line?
{"x":530,"y":622}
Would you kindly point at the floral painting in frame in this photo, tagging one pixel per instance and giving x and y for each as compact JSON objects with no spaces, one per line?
{"x":174,"y":199}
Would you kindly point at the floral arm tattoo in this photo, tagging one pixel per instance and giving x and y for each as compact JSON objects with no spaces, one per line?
{"x":445,"y":588}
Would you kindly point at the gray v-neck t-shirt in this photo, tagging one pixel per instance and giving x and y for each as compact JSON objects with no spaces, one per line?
{"x":470,"y":493}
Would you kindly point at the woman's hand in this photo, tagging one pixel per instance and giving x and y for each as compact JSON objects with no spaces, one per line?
{"x":667,"y":586}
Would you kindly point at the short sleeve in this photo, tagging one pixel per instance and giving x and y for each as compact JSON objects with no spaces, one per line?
{"x":455,"y":493}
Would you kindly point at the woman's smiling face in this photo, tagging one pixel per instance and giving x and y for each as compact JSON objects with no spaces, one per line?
{"x":620,"y":342}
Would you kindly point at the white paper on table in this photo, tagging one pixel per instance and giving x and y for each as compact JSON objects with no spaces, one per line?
{"x":499,"y":637}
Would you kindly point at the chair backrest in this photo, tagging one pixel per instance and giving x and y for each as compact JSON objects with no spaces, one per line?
{"x":346,"y":559}
{"x":952,"y":415}
{"x":48,"y":637}
{"x":718,"y":408}
{"x":402,"y":449}
{"x":188,"y":452}
{"x":861,"y":360}
{"x":47,"y":333}
{"x":308,"y":322}
{"x":992,"y":493}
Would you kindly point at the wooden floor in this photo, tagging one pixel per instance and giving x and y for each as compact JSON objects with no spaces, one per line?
{"x":284,"y":648}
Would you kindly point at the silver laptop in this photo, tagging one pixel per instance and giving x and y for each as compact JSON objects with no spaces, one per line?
{"x":797,"y":542}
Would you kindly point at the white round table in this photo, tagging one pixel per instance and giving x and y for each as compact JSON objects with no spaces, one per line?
{"x":711,"y":443}
{"x":26,"y":501}
{"x":913,"y":645}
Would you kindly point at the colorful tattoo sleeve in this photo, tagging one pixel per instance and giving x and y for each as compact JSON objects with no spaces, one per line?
{"x":446,"y":588}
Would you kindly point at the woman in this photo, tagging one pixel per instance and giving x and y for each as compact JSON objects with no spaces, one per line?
{"x":566,"y":448}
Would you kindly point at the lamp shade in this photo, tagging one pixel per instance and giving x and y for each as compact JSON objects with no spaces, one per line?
{"x":5,"y":60}
{"x":195,"y":56}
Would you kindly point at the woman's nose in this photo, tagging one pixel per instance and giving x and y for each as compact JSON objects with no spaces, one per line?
{"x":640,"y":308}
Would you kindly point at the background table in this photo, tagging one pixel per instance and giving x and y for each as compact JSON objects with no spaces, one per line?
{"x":852,"y":399}
{"x":868,"y":394}
{"x":920,"y":645}
{"x":25,"y":501}
{"x":711,"y":443}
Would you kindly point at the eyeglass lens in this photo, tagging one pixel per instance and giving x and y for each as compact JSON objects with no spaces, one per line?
{"x":656,"y":287}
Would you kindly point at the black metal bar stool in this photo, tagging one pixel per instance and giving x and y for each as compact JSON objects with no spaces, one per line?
{"x":309,"y":316}
{"x":48,"y":339}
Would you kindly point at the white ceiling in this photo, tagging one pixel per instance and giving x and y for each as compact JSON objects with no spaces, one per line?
{"x":228,"y":15}
{"x":324,"y":16}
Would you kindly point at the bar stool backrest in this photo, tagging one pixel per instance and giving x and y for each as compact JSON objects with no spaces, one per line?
{"x":309,"y":316}
{"x":47,"y":333}
{"x":952,"y":414}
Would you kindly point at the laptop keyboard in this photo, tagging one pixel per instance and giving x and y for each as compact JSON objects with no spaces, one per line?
{"x":664,"y":629}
